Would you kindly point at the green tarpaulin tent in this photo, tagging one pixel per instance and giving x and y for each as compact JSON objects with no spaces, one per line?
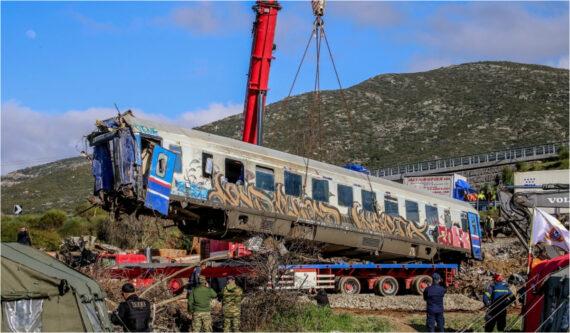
{"x":40,"y":293}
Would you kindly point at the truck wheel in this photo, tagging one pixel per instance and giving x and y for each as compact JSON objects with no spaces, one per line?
{"x":349,"y":285}
{"x":386,"y":286}
{"x":420,"y":283}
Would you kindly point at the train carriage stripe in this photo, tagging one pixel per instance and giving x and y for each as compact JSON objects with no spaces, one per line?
{"x":159,"y":194}
{"x":159,"y":181}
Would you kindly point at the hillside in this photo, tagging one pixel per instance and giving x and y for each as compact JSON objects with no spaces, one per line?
{"x":400,"y":118}
{"x":62,"y":184}
{"x":396,"y":118}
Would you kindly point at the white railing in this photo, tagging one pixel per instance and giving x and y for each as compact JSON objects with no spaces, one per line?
{"x":472,"y":161}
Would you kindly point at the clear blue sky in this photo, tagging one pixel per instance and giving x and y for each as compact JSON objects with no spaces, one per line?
{"x":188,"y":60}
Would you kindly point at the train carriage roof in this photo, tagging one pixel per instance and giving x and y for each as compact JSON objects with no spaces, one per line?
{"x":146,"y":126}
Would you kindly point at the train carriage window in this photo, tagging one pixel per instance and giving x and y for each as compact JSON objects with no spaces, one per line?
{"x":293,"y":184}
{"x":412,"y":211}
{"x":431,"y":215}
{"x":345,"y":196}
{"x":321,"y":190}
{"x":161,"y":165}
{"x":234,"y":171}
{"x":178,"y":150}
{"x":391,"y":206}
{"x":368,"y":201}
{"x":464,"y":222}
{"x":264,"y":178}
{"x":207,"y":165}
{"x":447,"y":218}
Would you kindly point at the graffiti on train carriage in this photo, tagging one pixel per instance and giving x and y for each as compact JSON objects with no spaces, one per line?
{"x":248,"y":196}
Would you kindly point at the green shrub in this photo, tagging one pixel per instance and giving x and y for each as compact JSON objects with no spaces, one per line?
{"x":29,"y":220}
{"x":45,"y":239}
{"x":100,"y":227}
{"x":9,"y":229}
{"x":76,"y":226}
{"x":52,"y":219}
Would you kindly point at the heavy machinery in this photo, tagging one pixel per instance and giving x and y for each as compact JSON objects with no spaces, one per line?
{"x":226,"y":190}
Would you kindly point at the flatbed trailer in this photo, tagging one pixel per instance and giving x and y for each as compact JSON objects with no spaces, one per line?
{"x":347,"y":278}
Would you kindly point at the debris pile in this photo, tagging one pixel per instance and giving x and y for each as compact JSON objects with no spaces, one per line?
{"x":505,"y":256}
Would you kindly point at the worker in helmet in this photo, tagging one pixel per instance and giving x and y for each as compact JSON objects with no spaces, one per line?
{"x":497,"y":298}
{"x":433,"y":295}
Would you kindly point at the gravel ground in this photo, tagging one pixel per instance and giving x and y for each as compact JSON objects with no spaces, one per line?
{"x":452,"y":302}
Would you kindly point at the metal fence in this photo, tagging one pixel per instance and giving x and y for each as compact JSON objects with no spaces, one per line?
{"x":472,"y":161}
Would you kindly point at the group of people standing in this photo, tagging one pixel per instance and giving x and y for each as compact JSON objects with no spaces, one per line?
{"x":134,"y":313}
{"x":496,"y":297}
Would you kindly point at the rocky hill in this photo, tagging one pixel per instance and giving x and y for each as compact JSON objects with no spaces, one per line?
{"x":388,"y":119}
{"x":400,"y":118}
{"x":62,"y":184}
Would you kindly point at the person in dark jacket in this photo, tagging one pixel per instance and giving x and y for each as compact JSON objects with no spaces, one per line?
{"x":23,"y":237}
{"x":320,"y":296}
{"x":433,"y":295}
{"x":497,"y":299}
{"x":134,"y":314}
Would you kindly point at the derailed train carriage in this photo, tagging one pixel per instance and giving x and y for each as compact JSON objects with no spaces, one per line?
{"x":221,"y":188}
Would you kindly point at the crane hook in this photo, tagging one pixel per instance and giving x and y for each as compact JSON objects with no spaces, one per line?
{"x":318,"y":7}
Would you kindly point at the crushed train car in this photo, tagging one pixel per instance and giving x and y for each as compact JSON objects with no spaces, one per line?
{"x":221,"y":188}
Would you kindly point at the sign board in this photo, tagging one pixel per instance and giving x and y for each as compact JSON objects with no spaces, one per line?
{"x":534,"y":179}
{"x":441,"y":185}
{"x":17,"y":209}
{"x":550,"y":200}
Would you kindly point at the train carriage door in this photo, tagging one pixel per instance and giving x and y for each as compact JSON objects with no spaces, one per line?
{"x":160,"y":179}
{"x":475,"y":232}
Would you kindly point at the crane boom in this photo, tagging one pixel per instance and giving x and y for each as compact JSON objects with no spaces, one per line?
{"x":259,"y":66}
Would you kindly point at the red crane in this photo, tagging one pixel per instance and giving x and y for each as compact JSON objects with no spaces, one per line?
{"x":258,"y":76}
{"x":257,"y":82}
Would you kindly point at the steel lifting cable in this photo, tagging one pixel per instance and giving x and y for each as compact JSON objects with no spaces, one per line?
{"x":317,"y":89}
{"x":522,"y":315}
{"x":553,"y":312}
{"x":493,"y":307}
{"x":535,"y":303}
{"x":286,"y":101}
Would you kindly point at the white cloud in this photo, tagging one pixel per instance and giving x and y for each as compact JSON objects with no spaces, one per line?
{"x":93,"y":25}
{"x":213,"y":112}
{"x":502,"y":31}
{"x":204,"y":18}
{"x":367,"y":13}
{"x":31,"y":34}
{"x":30,"y":137}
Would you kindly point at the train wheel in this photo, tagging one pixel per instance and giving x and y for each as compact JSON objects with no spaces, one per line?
{"x":349,"y":285}
{"x":420,"y":283}
{"x":386,"y":286}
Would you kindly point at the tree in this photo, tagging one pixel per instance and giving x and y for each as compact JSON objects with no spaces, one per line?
{"x":508,"y":176}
